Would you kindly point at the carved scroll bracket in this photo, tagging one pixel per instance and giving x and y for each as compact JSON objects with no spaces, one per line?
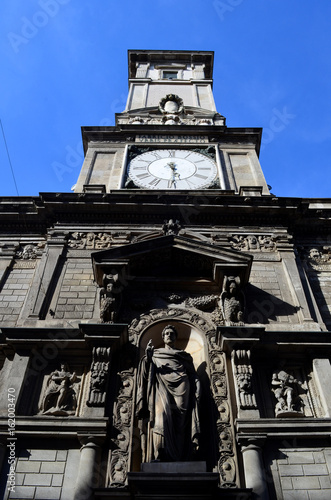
{"x":232,"y":301}
{"x":99,"y":376}
{"x":243,"y":374}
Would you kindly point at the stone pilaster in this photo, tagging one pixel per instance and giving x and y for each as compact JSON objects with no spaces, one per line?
{"x":12,"y":376}
{"x":43,"y":277}
{"x":254,"y":469}
{"x":7,"y":253}
{"x":295,"y":286}
{"x":322,"y":377}
{"x":88,"y":472}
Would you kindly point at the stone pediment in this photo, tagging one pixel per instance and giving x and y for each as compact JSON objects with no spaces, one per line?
{"x":172,"y":258}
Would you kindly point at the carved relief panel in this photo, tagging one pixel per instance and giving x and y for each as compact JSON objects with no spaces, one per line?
{"x":288,"y":390}
{"x":61,"y":391}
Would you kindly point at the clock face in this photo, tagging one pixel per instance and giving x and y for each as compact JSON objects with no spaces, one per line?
{"x":172,"y":169}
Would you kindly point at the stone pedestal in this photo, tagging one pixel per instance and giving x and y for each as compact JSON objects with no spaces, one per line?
{"x":174,"y":467}
{"x":180,"y":480}
{"x":197,"y":485}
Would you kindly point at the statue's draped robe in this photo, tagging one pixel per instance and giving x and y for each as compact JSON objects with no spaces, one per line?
{"x":167,"y":404}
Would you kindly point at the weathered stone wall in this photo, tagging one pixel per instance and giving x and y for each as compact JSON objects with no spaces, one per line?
{"x":14,"y":291}
{"x":42,"y":473}
{"x":268,"y":295}
{"x":303,"y":474}
{"x":320,"y":283}
{"x":77,"y":292}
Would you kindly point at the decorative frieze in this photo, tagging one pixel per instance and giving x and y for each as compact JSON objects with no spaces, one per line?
{"x":30,"y":252}
{"x":156,"y":119}
{"x":202,"y":302}
{"x":319,"y":258}
{"x":98,"y":241}
{"x":252,"y":243}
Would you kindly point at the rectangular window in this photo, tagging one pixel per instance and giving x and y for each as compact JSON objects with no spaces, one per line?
{"x":170,"y":75}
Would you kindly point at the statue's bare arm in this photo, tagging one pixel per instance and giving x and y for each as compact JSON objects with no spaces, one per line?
{"x":149,"y":350}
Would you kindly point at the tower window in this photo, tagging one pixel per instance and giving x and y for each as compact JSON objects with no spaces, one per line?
{"x":170,"y":75}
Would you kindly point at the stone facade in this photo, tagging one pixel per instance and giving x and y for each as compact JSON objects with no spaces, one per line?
{"x":88,"y":278}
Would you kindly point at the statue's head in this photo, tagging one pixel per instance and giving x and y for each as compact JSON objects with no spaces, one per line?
{"x":314,"y":253}
{"x":169,"y":335}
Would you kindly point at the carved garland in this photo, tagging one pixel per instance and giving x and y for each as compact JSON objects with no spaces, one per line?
{"x":122,"y":429}
{"x":226,"y":462}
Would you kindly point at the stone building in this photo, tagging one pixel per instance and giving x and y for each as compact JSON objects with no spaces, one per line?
{"x":171,"y":223}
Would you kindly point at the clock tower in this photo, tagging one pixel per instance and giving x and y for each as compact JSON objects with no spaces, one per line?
{"x":170,"y":136}
{"x":165,"y":329}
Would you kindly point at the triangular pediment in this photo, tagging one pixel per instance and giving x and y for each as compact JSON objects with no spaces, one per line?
{"x":173,"y":257}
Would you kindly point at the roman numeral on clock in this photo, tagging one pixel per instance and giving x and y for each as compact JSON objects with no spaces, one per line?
{"x":156,"y":155}
{"x":143,"y":176}
{"x":154,"y":182}
{"x":189,"y":183}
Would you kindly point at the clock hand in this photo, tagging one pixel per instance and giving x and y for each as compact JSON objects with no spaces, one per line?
{"x":172,"y":165}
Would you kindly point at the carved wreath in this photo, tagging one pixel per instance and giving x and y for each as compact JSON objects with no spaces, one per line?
{"x":174,"y":98}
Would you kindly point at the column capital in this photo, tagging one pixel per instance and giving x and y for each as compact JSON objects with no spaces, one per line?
{"x":251,"y":443}
{"x":90,"y":441}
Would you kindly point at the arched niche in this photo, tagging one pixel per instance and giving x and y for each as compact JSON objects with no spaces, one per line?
{"x":190,"y":339}
{"x":193,"y":340}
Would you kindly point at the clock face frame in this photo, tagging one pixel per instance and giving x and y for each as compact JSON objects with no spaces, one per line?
{"x":172,"y":169}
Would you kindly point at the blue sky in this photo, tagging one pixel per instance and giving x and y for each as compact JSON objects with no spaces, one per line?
{"x":64,"y":65}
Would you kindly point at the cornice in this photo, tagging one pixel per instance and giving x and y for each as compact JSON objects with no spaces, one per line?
{"x":202,"y":207}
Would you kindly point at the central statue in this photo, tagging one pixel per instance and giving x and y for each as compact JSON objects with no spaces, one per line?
{"x":167,"y":402}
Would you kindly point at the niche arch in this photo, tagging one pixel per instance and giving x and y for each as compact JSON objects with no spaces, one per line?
{"x":190,"y":339}
{"x":195,"y":334}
